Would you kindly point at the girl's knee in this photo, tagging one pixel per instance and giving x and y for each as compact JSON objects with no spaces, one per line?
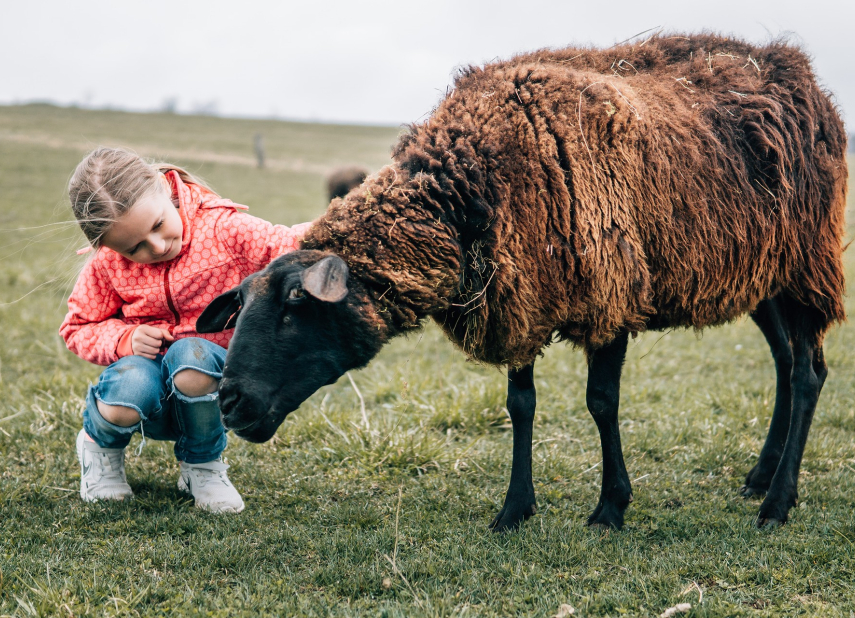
{"x":194,"y":353}
{"x":129,"y":388}
{"x":118,"y":415}
{"x":192,"y":383}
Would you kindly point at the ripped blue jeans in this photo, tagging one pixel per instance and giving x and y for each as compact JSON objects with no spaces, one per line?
{"x":165,"y":413}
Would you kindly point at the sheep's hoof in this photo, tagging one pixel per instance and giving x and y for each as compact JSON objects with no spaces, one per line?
{"x":747,"y":491}
{"x":603,"y":524}
{"x":512,"y":515}
{"x":773,"y":513}
{"x":768,"y":523}
{"x":607,"y":516}
{"x":757,"y":482}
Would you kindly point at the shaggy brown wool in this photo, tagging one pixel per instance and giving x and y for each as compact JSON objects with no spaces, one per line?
{"x":676,"y":182}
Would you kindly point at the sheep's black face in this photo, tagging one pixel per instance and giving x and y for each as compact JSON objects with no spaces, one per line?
{"x":297,"y":329}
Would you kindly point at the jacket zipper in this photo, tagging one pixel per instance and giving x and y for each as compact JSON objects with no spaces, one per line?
{"x":169,"y":294}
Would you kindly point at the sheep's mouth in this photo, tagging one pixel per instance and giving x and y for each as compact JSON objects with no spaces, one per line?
{"x":253,"y":420}
{"x":261,"y":429}
{"x":240,"y":427}
{"x":256,"y":417}
{"x":239,"y":411}
{"x":248,"y":415}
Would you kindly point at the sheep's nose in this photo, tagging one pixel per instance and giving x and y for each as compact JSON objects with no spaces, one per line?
{"x":229,"y":396}
{"x":239,"y":407}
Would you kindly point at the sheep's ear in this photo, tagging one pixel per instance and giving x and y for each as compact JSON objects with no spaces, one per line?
{"x":220,"y":314}
{"x":327,"y":279}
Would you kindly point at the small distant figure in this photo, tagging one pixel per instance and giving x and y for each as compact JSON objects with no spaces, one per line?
{"x":343,"y":179}
{"x":259,"y":150}
{"x":169,"y":105}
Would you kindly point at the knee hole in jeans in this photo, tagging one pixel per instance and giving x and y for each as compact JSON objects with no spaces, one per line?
{"x":118,"y":415}
{"x":192,"y":383}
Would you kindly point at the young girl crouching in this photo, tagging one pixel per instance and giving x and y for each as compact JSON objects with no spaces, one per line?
{"x":165,"y":246}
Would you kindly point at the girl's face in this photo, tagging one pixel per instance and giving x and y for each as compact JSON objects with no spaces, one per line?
{"x":149,"y":232}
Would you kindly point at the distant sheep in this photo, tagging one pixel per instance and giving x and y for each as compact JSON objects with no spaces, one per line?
{"x":343,"y":179}
{"x":581,"y":195}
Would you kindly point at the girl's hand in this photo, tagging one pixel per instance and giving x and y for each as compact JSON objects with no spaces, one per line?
{"x":147,"y":340}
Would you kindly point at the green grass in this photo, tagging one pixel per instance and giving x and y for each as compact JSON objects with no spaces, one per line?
{"x":330,"y":502}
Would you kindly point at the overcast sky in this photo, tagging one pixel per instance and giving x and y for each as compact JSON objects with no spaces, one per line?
{"x":350,"y":61}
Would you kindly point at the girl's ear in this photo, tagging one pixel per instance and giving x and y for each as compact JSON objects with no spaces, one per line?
{"x":221,"y":314}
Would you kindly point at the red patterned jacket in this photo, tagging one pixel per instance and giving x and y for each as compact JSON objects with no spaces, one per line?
{"x":220,"y":246}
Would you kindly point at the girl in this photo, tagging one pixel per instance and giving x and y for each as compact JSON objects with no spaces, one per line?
{"x":165,"y":246}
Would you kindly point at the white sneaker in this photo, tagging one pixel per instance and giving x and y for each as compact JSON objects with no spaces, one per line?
{"x":210,"y":486}
{"x":102,"y":471}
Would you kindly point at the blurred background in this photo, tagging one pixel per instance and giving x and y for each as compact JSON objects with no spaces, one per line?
{"x":374,"y":61}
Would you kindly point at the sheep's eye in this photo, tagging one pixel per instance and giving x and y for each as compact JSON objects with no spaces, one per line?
{"x":295,"y":293}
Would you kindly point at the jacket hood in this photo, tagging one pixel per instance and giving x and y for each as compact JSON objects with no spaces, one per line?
{"x":190,"y":198}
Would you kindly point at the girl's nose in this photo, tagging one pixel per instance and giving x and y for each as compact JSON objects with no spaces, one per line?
{"x":158,"y":245}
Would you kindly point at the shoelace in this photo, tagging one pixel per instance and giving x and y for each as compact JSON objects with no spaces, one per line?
{"x":212,"y":474}
{"x":112,"y":466}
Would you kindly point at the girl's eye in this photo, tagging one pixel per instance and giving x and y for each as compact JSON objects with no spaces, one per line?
{"x":157,"y":226}
{"x":295,"y":293}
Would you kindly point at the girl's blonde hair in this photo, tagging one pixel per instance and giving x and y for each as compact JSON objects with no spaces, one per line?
{"x":109,"y":181}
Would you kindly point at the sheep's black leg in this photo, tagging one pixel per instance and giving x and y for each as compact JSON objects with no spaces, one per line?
{"x":769,"y":317}
{"x":806,"y":327}
{"x":604,"y":368}
{"x":519,"y":501}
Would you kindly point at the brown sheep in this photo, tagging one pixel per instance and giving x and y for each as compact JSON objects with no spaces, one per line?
{"x":584,"y":195}
{"x":341,"y":180}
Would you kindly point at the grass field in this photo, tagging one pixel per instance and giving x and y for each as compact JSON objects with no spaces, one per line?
{"x":392,"y":521}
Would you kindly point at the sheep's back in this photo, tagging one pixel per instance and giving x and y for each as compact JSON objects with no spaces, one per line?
{"x":676,"y":184}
